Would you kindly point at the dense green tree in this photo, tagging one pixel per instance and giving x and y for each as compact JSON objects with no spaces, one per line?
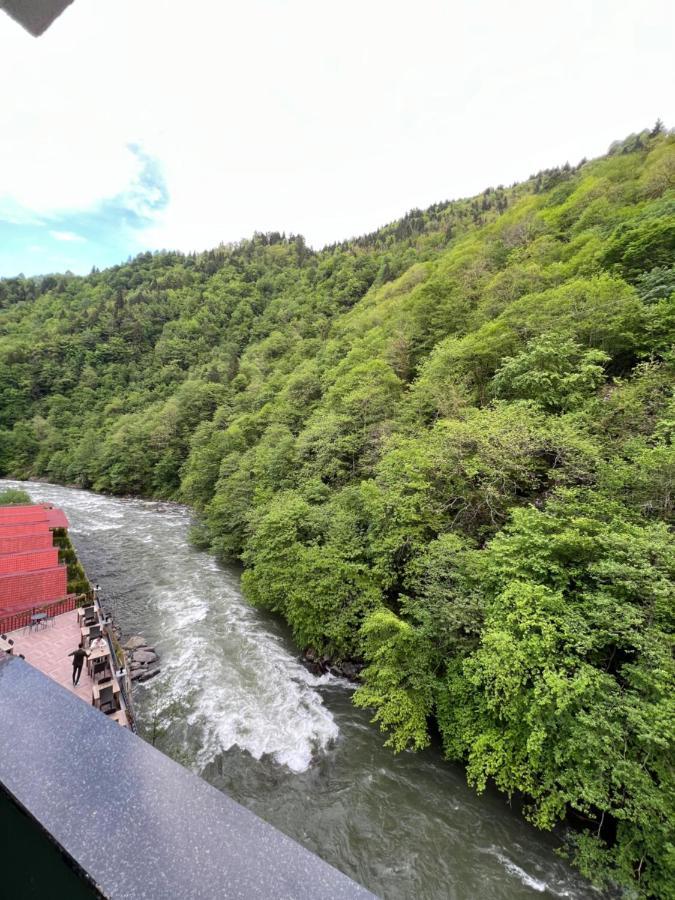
{"x":554,"y":371}
{"x":568,"y":696}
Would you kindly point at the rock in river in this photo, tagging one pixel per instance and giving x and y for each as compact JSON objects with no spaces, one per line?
{"x":144,"y":656}
{"x":134,"y":642}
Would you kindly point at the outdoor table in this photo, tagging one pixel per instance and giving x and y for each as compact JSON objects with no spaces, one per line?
{"x":97,"y":656}
{"x":37,"y":618}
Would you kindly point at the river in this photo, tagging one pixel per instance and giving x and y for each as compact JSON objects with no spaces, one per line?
{"x":234,"y":703}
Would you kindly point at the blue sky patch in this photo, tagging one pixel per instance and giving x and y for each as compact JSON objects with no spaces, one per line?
{"x":75,"y":240}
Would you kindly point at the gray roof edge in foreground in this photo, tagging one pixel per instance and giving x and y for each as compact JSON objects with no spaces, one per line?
{"x":139,"y":824}
{"x":35,"y":15}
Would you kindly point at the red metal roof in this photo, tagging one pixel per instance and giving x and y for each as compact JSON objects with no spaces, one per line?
{"x":44,"y":558}
{"x":57,"y":518}
{"x":22,"y":542}
{"x":18,"y":507}
{"x":30,"y":574}
{"x":7,"y":530}
{"x":39,"y":518}
{"x":23,"y":513}
{"x":36,"y":514}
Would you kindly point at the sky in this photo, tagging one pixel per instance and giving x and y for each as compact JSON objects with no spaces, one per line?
{"x":132,"y":126}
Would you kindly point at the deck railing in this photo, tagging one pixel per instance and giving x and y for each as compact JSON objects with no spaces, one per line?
{"x":14,"y":621}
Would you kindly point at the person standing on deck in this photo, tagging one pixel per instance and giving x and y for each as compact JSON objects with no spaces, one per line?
{"x":79,"y":657}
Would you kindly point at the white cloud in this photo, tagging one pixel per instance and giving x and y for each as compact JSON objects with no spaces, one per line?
{"x":318,"y":118}
{"x":66,"y":236}
{"x":12,"y":212}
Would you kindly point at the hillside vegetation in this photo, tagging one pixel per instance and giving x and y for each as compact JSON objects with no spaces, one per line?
{"x":444,"y":449}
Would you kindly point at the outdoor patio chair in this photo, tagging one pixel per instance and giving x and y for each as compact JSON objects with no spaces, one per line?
{"x":100,"y":669}
{"x":94,"y":632}
{"x":106,"y":701}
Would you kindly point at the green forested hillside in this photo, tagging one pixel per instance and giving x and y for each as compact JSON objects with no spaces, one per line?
{"x":444,"y":449}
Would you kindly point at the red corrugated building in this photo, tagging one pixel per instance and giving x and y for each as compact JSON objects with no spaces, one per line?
{"x":24,"y":590}
{"x":30,"y":573}
{"x":23,"y":542}
{"x":18,"y":509}
{"x":23,"y":528}
{"x":37,"y":512}
{"x":22,"y":514}
{"x":47,"y":558}
{"x":57,"y":518}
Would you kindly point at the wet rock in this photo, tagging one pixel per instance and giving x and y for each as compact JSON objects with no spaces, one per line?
{"x":141,"y":659}
{"x":134,"y":642}
{"x":349,"y":670}
{"x":146,"y":676}
{"x":320,"y":665}
{"x":314,"y":661}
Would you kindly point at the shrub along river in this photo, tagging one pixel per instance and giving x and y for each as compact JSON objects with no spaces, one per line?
{"x":234,"y":703}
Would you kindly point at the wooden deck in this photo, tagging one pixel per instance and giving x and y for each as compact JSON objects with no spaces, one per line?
{"x":47,"y":649}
